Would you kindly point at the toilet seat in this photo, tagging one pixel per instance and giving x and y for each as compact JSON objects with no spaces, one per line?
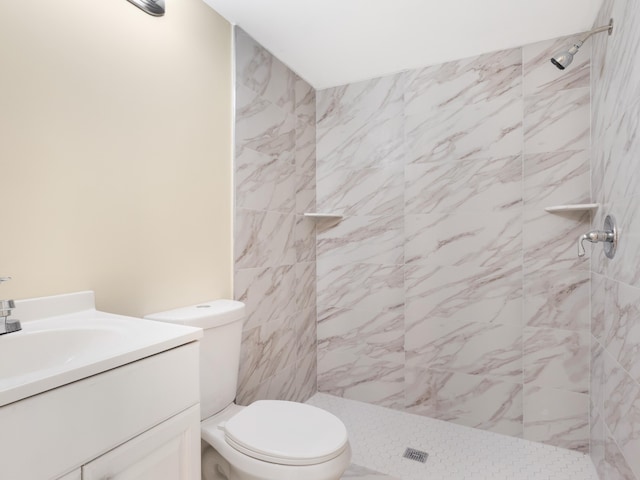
{"x":286,"y":433}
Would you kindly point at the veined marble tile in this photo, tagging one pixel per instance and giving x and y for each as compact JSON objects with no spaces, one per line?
{"x":492,"y":239}
{"x":306,"y":377}
{"x":281,"y":386}
{"x":622,"y":410}
{"x":263,"y":239}
{"x":557,"y":299}
{"x":622,"y":327}
{"x":265,"y":182}
{"x":557,"y":178}
{"x":489,"y":295}
{"x":359,"y":286}
{"x":305,"y":154}
{"x":263,"y":73}
{"x":360,"y":355}
{"x":472,"y":400}
{"x":556,"y":359}
{"x":616,"y":466}
{"x":305,"y":96}
{"x":598,"y":299}
{"x":360,"y":125}
{"x":540,"y":75}
{"x":266,"y":292}
{"x":305,"y":192}
{"x":305,"y":239}
{"x":370,"y":191}
{"x":490,"y":129}
{"x":596,"y":407}
{"x":305,"y":288}
{"x":306,"y":330}
{"x":550,"y":240}
{"x":556,"y":417}
{"x":358,"y":333}
{"x":557,"y":121}
{"x":493,"y":76}
{"x":371,"y":239}
{"x":465,"y":346}
{"x":261,"y":125}
{"x":266,"y":351}
{"x":459,"y":186}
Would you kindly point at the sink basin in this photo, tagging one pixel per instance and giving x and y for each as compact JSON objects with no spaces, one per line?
{"x":75,"y":342}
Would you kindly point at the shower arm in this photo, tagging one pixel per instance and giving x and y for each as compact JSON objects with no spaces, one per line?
{"x":605,"y":28}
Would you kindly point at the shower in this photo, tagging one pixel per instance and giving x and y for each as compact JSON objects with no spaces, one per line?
{"x":563,"y":59}
{"x":152,"y":7}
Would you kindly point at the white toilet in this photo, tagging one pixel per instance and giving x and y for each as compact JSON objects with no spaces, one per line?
{"x":269,"y":439}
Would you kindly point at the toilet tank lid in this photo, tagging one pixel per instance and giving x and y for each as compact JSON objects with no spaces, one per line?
{"x":204,"y":315}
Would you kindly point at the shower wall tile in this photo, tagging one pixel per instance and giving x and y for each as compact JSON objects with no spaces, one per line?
{"x":264,"y":239}
{"x":373,"y":240}
{"x":488,"y":129}
{"x":557,"y":299}
{"x":361,"y":356}
{"x":556,"y":178}
{"x":615,"y":463}
{"x":557,"y":121}
{"x":466,"y":346}
{"x":621,"y":410}
{"x":492,"y":184}
{"x":493,"y":239}
{"x":596,"y":408}
{"x":359,"y":286}
{"x":361,"y":125}
{"x":369,"y":191}
{"x":556,"y":359}
{"x":541,"y":77}
{"x":274,"y":170}
{"x":487,"y":295}
{"x":550,"y":241}
{"x":266,"y":292}
{"x":556,"y":417}
{"x":265,"y":182}
{"x":262,"y":73}
{"x":261,"y":125}
{"x":471,"y":81}
{"x":471,"y":400}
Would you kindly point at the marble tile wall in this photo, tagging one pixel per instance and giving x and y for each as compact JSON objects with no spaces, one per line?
{"x":615,"y":291}
{"x":447,"y":290}
{"x":275,"y":271}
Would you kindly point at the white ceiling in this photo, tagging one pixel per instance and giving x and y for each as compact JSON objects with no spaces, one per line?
{"x":334,"y":42}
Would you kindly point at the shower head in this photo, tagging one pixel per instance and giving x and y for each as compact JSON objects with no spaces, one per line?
{"x":152,"y":7}
{"x":563,"y":59}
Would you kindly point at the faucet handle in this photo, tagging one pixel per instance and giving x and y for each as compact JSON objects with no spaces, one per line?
{"x":581,"y":250}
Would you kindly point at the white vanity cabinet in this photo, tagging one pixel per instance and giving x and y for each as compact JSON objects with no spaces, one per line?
{"x":140,"y":421}
{"x":170,"y":451}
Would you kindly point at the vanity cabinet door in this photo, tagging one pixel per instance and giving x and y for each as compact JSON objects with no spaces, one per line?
{"x":169,"y":451}
{"x":76,"y":475}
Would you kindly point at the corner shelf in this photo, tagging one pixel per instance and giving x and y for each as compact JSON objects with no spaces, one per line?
{"x":580,"y":207}
{"x":323,"y":216}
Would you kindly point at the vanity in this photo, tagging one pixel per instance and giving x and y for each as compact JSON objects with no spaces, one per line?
{"x":95,"y":396}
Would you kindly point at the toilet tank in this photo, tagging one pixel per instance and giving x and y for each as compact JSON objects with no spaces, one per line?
{"x":221,"y":321}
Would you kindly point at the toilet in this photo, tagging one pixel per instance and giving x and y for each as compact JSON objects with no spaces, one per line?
{"x":267,"y":440}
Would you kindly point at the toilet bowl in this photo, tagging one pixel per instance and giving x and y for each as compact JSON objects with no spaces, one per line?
{"x":267,"y":440}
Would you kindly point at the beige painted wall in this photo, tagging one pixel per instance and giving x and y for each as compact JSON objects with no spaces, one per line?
{"x":115,"y":152}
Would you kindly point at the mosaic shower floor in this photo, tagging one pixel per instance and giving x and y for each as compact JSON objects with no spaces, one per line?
{"x":379,"y":437}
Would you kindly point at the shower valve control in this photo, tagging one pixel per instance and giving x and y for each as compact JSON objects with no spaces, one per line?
{"x":608,"y":236}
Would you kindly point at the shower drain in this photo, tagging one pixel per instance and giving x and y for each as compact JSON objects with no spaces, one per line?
{"x":417,"y":455}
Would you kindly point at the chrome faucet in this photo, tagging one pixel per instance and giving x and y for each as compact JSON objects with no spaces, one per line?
{"x":8,"y":325}
{"x":609,"y":236}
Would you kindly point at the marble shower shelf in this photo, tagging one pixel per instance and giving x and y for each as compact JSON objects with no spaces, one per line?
{"x":580,"y":207}
{"x":324,"y":216}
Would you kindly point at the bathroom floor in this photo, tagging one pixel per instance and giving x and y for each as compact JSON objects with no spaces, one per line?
{"x":379,"y":437}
